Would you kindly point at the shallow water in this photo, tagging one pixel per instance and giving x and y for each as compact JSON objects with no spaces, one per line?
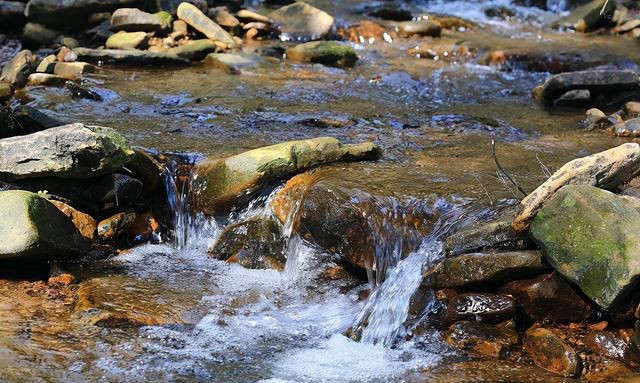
{"x":435,"y":121}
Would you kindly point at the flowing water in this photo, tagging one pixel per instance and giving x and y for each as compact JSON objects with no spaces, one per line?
{"x":220,"y":322}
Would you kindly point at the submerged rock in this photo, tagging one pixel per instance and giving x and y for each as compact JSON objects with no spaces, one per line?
{"x":115,"y":225}
{"x":548,"y":351}
{"x":88,"y":151}
{"x":323,"y":52}
{"x":17,"y":71}
{"x":199,"y":21}
{"x":300,"y":21}
{"x":32,"y":227}
{"x":599,"y":83}
{"x":129,"y":56}
{"x":419,"y":28}
{"x":482,"y":338}
{"x":629,"y":128}
{"x":127,"y":40}
{"x":549,"y":297}
{"x":255,"y":244}
{"x":589,"y":235}
{"x":608,"y":170}
{"x":483,"y":268}
{"x":230,"y":62}
{"x":485,"y":235}
{"x":222,"y":184}
{"x":134,"y":20}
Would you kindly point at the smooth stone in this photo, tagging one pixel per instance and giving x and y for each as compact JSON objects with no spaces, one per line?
{"x":597,"y":81}
{"x":222,"y":17}
{"x":38,"y":35}
{"x":230,"y":62}
{"x":482,"y":338}
{"x":72,"y":70}
{"x":69,"y":42}
{"x":323,"y":52}
{"x":246,"y":14}
{"x":483,"y":268}
{"x":32,"y":227}
{"x":134,"y":20}
{"x":129,"y":57}
{"x":199,"y":21}
{"x":127,"y":40}
{"x":629,"y":128}
{"x":223,"y":183}
{"x":419,"y":28}
{"x":45,"y":79}
{"x":85,"y":223}
{"x":17,"y":71}
{"x":47,"y":64}
{"x":549,"y":298}
{"x":255,"y":244}
{"x":551,"y":353}
{"x":65,"y":54}
{"x":88,"y":151}
{"x":300,"y":21}
{"x":589,"y":235}
{"x":481,"y":236}
{"x":115,"y":225}
{"x":608,"y":345}
{"x":146,"y":169}
{"x":194,"y":50}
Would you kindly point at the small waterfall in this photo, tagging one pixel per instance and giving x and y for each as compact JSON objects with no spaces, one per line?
{"x":557,"y":5}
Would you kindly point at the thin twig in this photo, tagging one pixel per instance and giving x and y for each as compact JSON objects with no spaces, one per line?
{"x":544,"y":167}
{"x":604,"y":6}
{"x":475,"y":175}
{"x":504,"y":172}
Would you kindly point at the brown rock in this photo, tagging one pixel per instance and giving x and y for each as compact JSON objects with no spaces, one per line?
{"x":480,"y":337}
{"x":550,"y":352}
{"x":61,"y":279}
{"x":85,"y":223}
{"x":606,"y":344}
{"x":549,"y":297}
{"x":115,"y":225}
{"x":367,"y":32}
{"x":144,"y":226}
{"x":483,"y":307}
{"x":72,"y":70}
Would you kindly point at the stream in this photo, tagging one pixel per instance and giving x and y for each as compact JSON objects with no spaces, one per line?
{"x":220,"y":322}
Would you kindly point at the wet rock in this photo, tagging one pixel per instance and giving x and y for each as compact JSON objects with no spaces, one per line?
{"x":194,"y":50}
{"x":367,"y":32}
{"x":17,"y":71}
{"x":134,"y":20}
{"x":38,"y":35}
{"x":144,"y":228}
{"x":539,"y":61}
{"x":222,"y":17}
{"x":596,"y":119}
{"x":115,"y":225}
{"x":300,"y":21}
{"x":444,"y":52}
{"x":482,"y":338}
{"x":12,"y":14}
{"x":608,"y":170}
{"x":72,"y":70}
{"x":549,"y":297}
{"x":323,"y":52}
{"x":223,"y":183}
{"x":73,"y":14}
{"x":588,"y":235}
{"x":78,"y":92}
{"x":31,"y":227}
{"x":483,"y":268}
{"x":483,"y":307}
{"x":145,"y":168}
{"x":485,"y":235}
{"x":606,"y":344}
{"x":578,"y":98}
{"x":88,"y":151}
{"x":247,"y":15}
{"x":393,"y":14}
{"x":129,"y":57}
{"x":116,"y":188}
{"x":590,"y":16}
{"x":127,"y":40}
{"x":629,"y":128}
{"x":632,"y":109}
{"x":599,"y":83}
{"x":27,"y":120}
{"x":419,"y":28}
{"x":6,"y":92}
{"x":199,"y":21}
{"x":231,"y":63}
{"x":47,"y":64}
{"x":550,"y":352}
{"x":255,"y":244}
{"x":500,"y":12}
{"x":117,"y":301}
{"x":85,"y":223}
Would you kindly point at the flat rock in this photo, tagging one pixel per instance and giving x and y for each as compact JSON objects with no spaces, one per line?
{"x":483,"y":236}
{"x":45,"y":79}
{"x":32,"y":227}
{"x":199,"y":21}
{"x":129,"y":57}
{"x":134,"y":20}
{"x":194,"y":50}
{"x":222,"y":183}
{"x":300,"y":21}
{"x":127,"y":40}
{"x":550,"y":352}
{"x":480,"y":337}
{"x":589,"y":235}
{"x":72,"y":70}
{"x":68,"y":151}
{"x":323,"y":52}
{"x":484,"y":307}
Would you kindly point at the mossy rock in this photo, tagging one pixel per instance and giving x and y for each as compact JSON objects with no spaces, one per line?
{"x":324,"y":52}
{"x":590,"y":236}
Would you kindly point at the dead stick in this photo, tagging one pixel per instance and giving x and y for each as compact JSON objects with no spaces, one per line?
{"x":504,"y":172}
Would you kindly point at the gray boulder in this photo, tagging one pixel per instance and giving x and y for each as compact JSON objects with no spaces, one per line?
{"x":301,"y":21}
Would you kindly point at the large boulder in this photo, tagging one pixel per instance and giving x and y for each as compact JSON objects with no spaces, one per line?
{"x":17,"y":71}
{"x":30,"y":226}
{"x":590,"y":236}
{"x":68,"y":151}
{"x":301,"y":21}
{"x":74,"y":14}
{"x":323,"y":52}
{"x":202,"y":23}
{"x":224,"y":183}
{"x":607,"y":170}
